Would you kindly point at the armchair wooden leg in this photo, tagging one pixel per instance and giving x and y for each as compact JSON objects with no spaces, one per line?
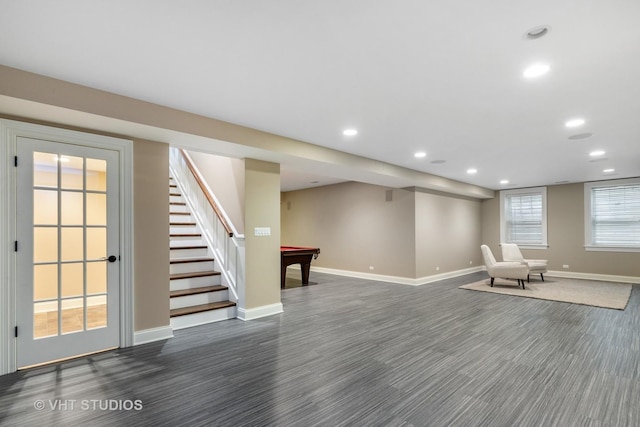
{"x":528,"y":278}
{"x":542,"y":277}
{"x":491,"y":282}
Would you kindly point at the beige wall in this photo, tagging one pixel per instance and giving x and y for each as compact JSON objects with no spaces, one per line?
{"x":355,"y":226}
{"x":151,"y":239}
{"x":565,"y":235}
{"x":262,"y":253}
{"x":225,"y":177}
{"x":491,"y":225}
{"x":448,"y":233}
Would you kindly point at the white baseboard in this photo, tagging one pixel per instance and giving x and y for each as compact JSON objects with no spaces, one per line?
{"x":153,"y":334}
{"x":592,"y":276}
{"x":392,"y":279}
{"x":448,"y":275}
{"x":258,"y":312}
{"x":203,"y":318}
{"x":457,"y":273}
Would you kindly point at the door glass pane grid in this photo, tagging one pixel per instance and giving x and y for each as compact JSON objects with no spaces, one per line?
{"x":45,"y":296}
{"x":96,"y":246}
{"x":63,"y":242}
{"x":45,"y":170}
{"x":96,"y":243}
{"x":46,"y":244}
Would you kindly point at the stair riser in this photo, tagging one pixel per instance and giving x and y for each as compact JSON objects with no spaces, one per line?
{"x":182,"y":229}
{"x":176,"y":242}
{"x":178,"y":208}
{"x":180,"y":218}
{"x":198,"y":299}
{"x":175,"y":199}
{"x":202,"y":318}
{"x":191,"y":267}
{"x":188,"y":253}
{"x":195,"y":282}
{"x":187,"y":241}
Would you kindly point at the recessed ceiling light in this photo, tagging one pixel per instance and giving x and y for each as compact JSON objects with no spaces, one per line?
{"x":420,"y":154}
{"x":472,"y":171}
{"x":574,"y":123}
{"x":536,"y":70}
{"x":504,"y":181}
{"x":597,"y":153}
{"x":609,"y":170}
{"x":537,"y":32}
{"x":349,"y":132}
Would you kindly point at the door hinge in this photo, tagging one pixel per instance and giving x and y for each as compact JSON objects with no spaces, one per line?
{"x":15,"y":161}
{"x":16,"y":332}
{"x":15,"y":246}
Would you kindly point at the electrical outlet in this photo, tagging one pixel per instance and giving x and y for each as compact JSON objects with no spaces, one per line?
{"x":371,"y":267}
{"x":437,"y":268}
{"x":565,"y":265}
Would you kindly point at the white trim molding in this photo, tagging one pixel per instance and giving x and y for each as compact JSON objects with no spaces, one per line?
{"x":151,"y":335}
{"x":588,"y":208}
{"x":7,"y":258}
{"x":504,"y":195}
{"x":10,"y":130}
{"x":258,"y":312}
{"x":392,"y":279}
{"x":593,"y":276}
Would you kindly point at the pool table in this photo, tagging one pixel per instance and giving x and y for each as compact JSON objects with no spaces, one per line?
{"x":297,"y":255}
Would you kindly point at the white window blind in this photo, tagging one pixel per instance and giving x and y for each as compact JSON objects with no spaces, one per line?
{"x":524,"y":218}
{"x":615,"y":216}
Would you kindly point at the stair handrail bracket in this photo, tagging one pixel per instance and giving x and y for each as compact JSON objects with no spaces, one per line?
{"x":226,"y":244}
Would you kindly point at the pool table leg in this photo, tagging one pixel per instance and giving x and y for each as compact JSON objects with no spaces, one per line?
{"x":304,"y":268}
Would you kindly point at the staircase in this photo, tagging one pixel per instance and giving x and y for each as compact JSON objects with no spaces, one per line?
{"x":196,"y":293}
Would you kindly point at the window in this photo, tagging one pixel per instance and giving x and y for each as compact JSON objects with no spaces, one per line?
{"x":523,"y":217}
{"x":612,"y":215}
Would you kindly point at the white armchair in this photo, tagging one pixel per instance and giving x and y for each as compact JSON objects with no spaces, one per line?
{"x":504,"y":270}
{"x":511,"y":252}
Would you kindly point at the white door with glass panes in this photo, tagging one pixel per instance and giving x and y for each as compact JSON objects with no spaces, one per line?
{"x":67,"y":272}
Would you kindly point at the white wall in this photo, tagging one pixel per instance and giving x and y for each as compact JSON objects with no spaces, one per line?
{"x":225,"y":177}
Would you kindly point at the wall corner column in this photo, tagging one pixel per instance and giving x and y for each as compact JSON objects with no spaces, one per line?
{"x":262,"y":251}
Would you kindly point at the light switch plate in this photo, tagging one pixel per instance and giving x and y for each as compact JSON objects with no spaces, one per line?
{"x":262,"y":231}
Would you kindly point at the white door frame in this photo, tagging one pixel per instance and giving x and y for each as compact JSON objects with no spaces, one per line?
{"x":10,"y":130}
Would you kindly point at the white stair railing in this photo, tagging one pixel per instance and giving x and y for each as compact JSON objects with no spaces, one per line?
{"x":221,"y":237}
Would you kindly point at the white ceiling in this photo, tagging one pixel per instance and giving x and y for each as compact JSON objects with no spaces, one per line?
{"x":442,"y":76}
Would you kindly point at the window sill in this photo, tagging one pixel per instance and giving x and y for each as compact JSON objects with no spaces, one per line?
{"x":611,"y":248}
{"x":530,"y":246}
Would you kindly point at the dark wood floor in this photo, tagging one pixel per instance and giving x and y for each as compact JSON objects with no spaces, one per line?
{"x":350,"y":352}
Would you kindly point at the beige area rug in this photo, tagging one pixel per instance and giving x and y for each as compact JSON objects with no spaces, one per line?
{"x":576,"y":291}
